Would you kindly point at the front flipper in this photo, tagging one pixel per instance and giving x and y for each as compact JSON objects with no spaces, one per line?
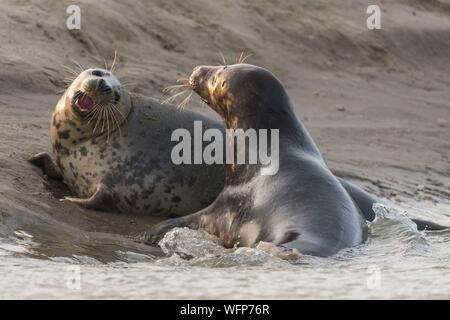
{"x":157,"y":232}
{"x":44,"y":161}
{"x":101,"y":200}
{"x":278,"y":251}
{"x":365,"y":202}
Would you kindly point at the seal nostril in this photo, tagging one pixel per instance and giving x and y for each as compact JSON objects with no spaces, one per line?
{"x":103,"y":86}
{"x":116,"y":96}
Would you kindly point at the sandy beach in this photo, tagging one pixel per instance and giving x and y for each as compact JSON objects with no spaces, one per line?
{"x":377,"y":102}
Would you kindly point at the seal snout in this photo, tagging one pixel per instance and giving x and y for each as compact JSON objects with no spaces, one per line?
{"x":197,"y":77}
{"x":197,"y":82}
{"x":103,"y":86}
{"x":92,"y":92}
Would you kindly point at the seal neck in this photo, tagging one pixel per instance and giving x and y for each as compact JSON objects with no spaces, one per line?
{"x":292,"y":138}
{"x":278,"y":115}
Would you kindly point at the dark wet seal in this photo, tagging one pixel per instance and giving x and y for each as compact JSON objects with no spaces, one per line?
{"x":302,"y":206}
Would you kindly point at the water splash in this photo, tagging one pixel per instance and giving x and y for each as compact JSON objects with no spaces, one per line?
{"x":197,"y":248}
{"x":189,"y":243}
{"x":396,"y":251}
{"x":395,"y":232}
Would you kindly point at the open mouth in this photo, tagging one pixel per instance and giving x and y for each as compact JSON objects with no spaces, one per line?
{"x":82,"y":102}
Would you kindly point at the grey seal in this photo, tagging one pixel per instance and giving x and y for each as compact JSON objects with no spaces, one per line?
{"x":113,"y":150}
{"x":303,"y":206}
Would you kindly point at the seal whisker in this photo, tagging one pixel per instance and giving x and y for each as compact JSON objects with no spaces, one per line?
{"x":112,"y":69}
{"x":94,"y":130}
{"x":185,"y":101}
{"x":107,"y":112}
{"x":97,"y":122}
{"x":174,"y":87}
{"x":113,"y":116}
{"x":120,"y":112}
{"x":173,"y":97}
{"x":78,"y":64}
{"x":223,"y":58}
{"x":238,"y":60}
{"x":68,"y":79}
{"x":103,"y":120}
{"x":176,"y":95}
{"x":245,"y":58}
{"x":127,"y":84}
{"x":70,"y":70}
{"x":106,"y":65}
{"x":181,"y":80}
{"x":94,"y":108}
{"x":92,"y":114}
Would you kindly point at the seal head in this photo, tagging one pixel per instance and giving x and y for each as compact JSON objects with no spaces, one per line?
{"x":113,"y":150}
{"x":239,"y":93}
{"x":94,"y":104}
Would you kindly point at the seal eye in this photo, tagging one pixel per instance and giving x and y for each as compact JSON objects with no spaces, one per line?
{"x":97,"y":73}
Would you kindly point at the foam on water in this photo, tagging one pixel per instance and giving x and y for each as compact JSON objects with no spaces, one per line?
{"x":397,"y":261}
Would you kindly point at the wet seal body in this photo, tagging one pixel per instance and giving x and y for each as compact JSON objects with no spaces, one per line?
{"x":303,"y":206}
{"x":113,"y":150}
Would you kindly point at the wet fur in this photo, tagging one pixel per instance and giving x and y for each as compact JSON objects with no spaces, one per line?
{"x":304,"y":206}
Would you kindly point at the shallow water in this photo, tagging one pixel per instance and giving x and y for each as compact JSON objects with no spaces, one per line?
{"x":396,"y":262}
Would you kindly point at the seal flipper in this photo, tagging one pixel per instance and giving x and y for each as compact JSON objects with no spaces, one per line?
{"x":157,"y":232}
{"x":44,"y":161}
{"x":428,"y":226}
{"x":362,"y":199}
{"x":365,"y":201}
{"x":101,"y":200}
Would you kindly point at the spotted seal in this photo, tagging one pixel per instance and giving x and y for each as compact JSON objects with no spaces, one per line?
{"x":113,"y":150}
